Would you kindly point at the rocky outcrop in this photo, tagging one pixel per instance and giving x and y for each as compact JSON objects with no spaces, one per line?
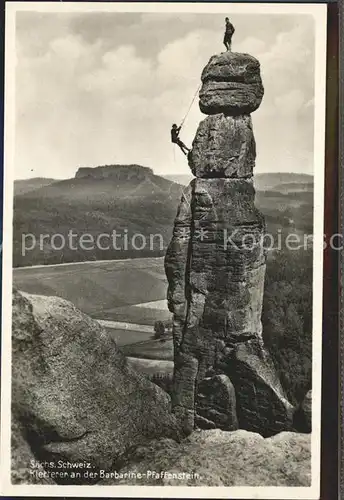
{"x":224,"y":146}
{"x":73,"y":392}
{"x":231,"y":85}
{"x":216,"y":404}
{"x":261,"y":401}
{"x":218,"y":458}
{"x":115,"y":172}
{"x":215,"y":265}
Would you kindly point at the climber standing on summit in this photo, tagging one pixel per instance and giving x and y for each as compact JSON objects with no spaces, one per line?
{"x":175,"y":139}
{"x":229,"y":31}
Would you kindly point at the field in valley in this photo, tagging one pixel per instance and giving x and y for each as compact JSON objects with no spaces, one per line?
{"x":108,"y":291}
{"x":127,"y":337}
{"x":150,"y":349}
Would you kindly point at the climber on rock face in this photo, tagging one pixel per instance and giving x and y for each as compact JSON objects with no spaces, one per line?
{"x":229,"y":31}
{"x":175,"y":139}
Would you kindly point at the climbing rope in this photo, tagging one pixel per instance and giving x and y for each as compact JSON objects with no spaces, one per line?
{"x":186,"y":114}
{"x":188,"y":111}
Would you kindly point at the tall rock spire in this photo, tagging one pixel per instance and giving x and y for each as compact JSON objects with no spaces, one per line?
{"x":215,"y":265}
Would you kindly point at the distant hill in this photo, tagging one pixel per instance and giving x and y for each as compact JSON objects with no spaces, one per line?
{"x":22,"y":186}
{"x":139,"y":205}
{"x":295,"y":187}
{"x":262,"y":182}
{"x":129,"y":199}
{"x":266,"y":182}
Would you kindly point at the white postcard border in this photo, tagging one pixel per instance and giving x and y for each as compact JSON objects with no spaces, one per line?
{"x":318,"y":11}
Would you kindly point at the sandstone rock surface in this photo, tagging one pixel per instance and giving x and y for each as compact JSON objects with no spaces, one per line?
{"x":216,"y":292}
{"x":231,"y":84}
{"x":115,"y":172}
{"x":222,"y":458}
{"x":74,"y":392}
{"x":224,"y":146}
{"x":262,"y":403}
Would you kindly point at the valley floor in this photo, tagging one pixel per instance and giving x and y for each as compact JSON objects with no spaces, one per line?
{"x":125,"y":296}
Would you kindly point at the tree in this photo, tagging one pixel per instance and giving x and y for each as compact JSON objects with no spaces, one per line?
{"x":287,"y":319}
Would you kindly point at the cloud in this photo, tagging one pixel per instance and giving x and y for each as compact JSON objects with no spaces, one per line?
{"x":252,"y":45}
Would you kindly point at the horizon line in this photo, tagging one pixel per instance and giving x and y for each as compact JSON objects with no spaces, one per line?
{"x":160,"y":174}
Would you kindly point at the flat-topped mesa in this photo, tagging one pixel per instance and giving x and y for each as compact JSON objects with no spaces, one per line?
{"x":115,"y":172}
{"x":231,"y":84}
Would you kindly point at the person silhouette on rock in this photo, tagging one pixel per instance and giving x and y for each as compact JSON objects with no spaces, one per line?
{"x":229,"y":31}
{"x":175,"y":139}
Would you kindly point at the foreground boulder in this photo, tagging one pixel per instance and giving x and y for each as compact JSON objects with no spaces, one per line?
{"x":219,"y":458}
{"x":73,"y":393}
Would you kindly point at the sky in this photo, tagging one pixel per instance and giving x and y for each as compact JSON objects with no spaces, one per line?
{"x":104,"y":88}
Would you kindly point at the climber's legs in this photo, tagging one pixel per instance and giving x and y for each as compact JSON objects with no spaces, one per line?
{"x":227,"y":41}
{"x":184,"y":149}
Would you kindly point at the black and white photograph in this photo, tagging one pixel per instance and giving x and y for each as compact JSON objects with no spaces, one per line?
{"x":163,"y":249}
